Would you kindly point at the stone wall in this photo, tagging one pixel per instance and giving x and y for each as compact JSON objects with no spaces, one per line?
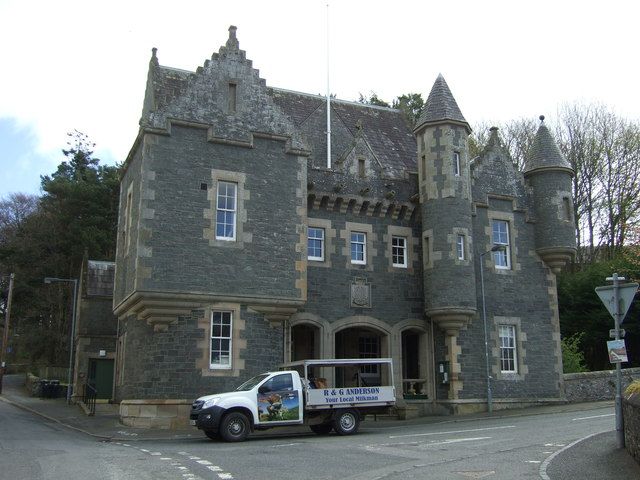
{"x":165,"y":414}
{"x":631,"y":415}
{"x":596,"y":386}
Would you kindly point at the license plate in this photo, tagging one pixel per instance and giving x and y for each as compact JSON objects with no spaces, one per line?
{"x":192,"y":422}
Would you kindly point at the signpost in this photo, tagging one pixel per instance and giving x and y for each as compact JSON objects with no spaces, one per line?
{"x":618,"y":298}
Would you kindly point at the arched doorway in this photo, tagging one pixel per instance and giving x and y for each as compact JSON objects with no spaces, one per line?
{"x":360,"y":342}
{"x":414,"y":361}
{"x":305,"y":342}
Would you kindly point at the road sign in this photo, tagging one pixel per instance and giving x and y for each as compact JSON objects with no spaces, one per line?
{"x":617,"y":351}
{"x":612,"y":333}
{"x":607,"y":295}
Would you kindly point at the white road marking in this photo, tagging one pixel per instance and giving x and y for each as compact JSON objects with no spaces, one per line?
{"x":214,"y":468}
{"x":533,"y":461}
{"x":156,"y":453}
{"x":457,"y":440}
{"x":166,"y":458}
{"x":194,"y":458}
{"x":451,"y":432}
{"x":287,"y":445}
{"x":144,"y":450}
{"x":204,"y":462}
{"x":543,"y":468}
{"x":225,"y":476}
{"x":593,"y":416}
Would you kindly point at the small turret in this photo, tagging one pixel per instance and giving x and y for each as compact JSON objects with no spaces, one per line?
{"x":550,"y":176}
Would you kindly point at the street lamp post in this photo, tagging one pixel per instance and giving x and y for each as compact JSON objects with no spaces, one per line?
{"x":495,"y":248}
{"x":5,"y":333}
{"x":73,"y":327}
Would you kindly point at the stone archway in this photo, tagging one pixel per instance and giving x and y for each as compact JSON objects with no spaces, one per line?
{"x":361,"y":337}
{"x":305,"y":342}
{"x":306,"y":333}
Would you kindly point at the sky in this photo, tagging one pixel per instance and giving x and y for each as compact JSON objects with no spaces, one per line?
{"x":82,"y":65}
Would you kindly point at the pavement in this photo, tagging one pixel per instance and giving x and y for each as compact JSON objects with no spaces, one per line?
{"x":594,"y":457}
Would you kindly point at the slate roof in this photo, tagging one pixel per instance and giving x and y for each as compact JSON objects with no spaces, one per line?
{"x":544,"y":152}
{"x":100,"y":277}
{"x":384,"y":129}
{"x":440,"y":105}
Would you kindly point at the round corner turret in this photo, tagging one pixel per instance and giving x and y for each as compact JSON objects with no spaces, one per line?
{"x":549,"y":174}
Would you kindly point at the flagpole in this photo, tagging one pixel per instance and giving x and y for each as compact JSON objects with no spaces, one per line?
{"x":328,"y":99}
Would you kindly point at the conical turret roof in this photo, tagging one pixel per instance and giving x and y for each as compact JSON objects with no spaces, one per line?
{"x":544,"y":152}
{"x":440,"y":106}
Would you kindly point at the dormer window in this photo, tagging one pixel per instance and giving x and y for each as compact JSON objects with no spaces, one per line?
{"x":233,"y":97}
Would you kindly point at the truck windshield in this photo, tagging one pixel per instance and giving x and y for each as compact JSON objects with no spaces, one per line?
{"x":252,"y":382}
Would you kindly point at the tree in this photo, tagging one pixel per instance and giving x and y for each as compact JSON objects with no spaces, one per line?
{"x":572,"y":356}
{"x":82,"y":198}
{"x":373,"y":99}
{"x":48,"y":237}
{"x":410,"y":104}
{"x":582,"y":313}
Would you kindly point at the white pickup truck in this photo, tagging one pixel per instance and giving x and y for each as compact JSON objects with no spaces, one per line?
{"x":299,"y":394}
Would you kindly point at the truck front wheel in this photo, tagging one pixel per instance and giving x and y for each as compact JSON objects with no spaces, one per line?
{"x":234,"y":427}
{"x":346,"y":422}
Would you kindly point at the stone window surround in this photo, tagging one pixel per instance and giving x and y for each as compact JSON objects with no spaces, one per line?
{"x":238,"y":343}
{"x":401,"y":247}
{"x":370,"y":252}
{"x":564,"y":202}
{"x":429,"y":257}
{"x":511,"y":335}
{"x":509,"y":217}
{"x":410,"y":242}
{"x":220,"y":366}
{"x":242,"y":195}
{"x":506,"y":245}
{"x":329,"y":239}
{"x":457,"y":165}
{"x":355,"y":242}
{"x":219,"y":209}
{"x":452,"y":239}
{"x":521,"y":337}
{"x":317,"y":238}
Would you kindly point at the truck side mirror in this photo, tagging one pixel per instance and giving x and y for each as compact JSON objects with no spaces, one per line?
{"x":262,"y":389}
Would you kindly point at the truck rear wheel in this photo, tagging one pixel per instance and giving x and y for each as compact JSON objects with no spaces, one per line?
{"x":234,"y":427}
{"x":346,"y":422}
{"x":321,"y":428}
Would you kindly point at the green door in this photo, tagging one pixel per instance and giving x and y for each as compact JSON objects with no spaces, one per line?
{"x":101,"y":377}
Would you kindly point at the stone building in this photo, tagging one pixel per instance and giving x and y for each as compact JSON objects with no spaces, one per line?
{"x":96,"y":330}
{"x":241,"y":246}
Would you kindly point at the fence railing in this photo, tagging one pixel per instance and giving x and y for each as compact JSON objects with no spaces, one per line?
{"x":89,"y":398}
